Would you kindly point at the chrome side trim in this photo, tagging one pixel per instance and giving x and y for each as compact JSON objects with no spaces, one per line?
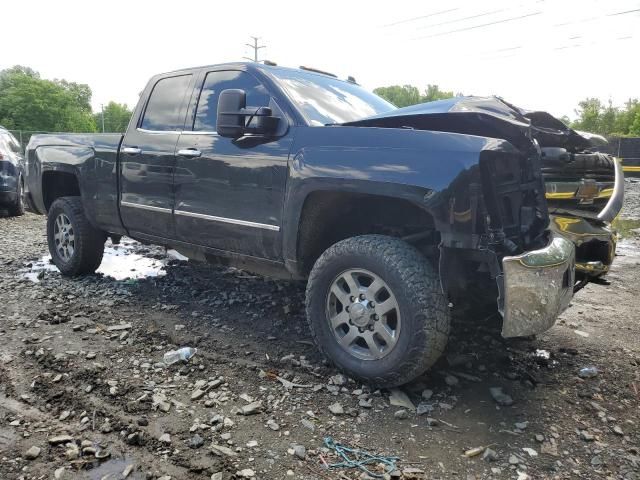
{"x":195,"y":132}
{"x":144,"y":130}
{"x":144,"y":207}
{"x":233,"y":221}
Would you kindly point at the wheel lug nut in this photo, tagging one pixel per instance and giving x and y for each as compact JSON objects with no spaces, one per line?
{"x":362,"y":297}
{"x":346,"y":308}
{"x":353,"y":299}
{"x":372,"y":305}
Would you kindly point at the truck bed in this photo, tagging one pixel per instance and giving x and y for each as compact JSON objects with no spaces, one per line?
{"x":92,"y":157}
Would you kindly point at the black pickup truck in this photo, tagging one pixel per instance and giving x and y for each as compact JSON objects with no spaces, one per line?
{"x":389,"y":213}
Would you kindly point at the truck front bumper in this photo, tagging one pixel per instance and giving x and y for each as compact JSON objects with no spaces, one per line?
{"x":538,"y":286}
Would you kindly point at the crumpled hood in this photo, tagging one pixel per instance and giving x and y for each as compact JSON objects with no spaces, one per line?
{"x":486,"y":116}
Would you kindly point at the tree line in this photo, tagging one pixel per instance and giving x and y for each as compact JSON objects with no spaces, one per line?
{"x":29,"y":102}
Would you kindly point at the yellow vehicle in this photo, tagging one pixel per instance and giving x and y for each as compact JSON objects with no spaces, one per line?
{"x":585,"y":193}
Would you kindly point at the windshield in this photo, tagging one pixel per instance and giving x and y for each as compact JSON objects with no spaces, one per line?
{"x":324,"y":100}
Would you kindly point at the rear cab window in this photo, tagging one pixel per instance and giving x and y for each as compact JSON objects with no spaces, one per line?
{"x":166,"y":107}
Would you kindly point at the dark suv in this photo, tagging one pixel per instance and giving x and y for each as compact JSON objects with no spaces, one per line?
{"x":11,"y":173}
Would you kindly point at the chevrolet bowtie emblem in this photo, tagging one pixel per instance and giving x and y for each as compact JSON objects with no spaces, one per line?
{"x":587,"y":191}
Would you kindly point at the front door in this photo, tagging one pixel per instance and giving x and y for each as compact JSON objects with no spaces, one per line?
{"x":230,"y":192}
{"x":147,"y":159}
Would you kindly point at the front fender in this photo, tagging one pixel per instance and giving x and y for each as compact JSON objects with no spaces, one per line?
{"x":429,"y":169}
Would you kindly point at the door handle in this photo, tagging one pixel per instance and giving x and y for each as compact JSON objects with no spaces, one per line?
{"x":132,"y":150}
{"x":189,"y":152}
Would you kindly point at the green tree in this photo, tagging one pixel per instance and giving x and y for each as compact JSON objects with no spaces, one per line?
{"x":597,"y":117}
{"x":28,"y":102}
{"x":405,"y":95}
{"x":116,"y":117}
{"x":400,"y":96}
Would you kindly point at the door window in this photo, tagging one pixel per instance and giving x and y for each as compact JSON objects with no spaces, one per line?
{"x":216,"y":82}
{"x":166,"y":107}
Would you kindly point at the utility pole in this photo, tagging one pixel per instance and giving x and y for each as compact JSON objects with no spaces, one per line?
{"x":255,"y":48}
{"x":102,"y":110}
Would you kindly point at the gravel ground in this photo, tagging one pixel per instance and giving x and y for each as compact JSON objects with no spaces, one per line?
{"x":84,"y":392}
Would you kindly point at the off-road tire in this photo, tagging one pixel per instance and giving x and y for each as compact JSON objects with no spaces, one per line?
{"x":17,"y":209}
{"x":423,"y":308}
{"x":89,"y":241}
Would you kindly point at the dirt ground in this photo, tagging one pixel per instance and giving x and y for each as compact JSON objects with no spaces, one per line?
{"x":82,"y":379}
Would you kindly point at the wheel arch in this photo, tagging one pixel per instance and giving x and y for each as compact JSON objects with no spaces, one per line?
{"x":324,"y":216}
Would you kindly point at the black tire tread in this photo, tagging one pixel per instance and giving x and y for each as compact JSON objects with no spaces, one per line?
{"x":429,"y":341}
{"x":89,"y":248}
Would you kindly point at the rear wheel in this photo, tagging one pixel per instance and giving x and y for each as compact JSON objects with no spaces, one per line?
{"x":76,"y":247}
{"x":375,"y":309}
{"x":17,"y":209}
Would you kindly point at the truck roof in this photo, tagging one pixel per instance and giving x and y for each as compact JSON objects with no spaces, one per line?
{"x":249,"y":66}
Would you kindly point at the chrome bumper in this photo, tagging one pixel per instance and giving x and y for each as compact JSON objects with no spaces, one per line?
{"x":538,"y":286}
{"x":614,"y":205}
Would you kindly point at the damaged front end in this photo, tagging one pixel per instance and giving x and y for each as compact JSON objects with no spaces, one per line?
{"x":497,"y":219}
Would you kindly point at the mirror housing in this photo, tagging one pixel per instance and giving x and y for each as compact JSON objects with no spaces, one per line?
{"x":235,"y":119}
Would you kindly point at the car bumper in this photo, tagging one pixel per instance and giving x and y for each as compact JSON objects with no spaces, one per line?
{"x":538,"y":286}
{"x":595,"y":243}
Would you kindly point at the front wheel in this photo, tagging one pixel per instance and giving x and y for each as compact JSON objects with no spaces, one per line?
{"x":76,"y":247}
{"x":376,"y":310}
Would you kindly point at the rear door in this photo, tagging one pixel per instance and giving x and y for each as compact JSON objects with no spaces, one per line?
{"x":230,"y":192}
{"x":147,"y":156}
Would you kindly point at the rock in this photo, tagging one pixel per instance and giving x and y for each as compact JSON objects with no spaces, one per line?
{"x":596,"y":461}
{"x":413,"y":474}
{"x":165,"y":438}
{"x":366,"y":403}
{"x":513,"y":459}
{"x":159,"y":401}
{"x":489,"y":455}
{"x":338,"y":380}
{"x":586,"y":436}
{"x":72,"y":453}
{"x":336,"y":409}
{"x":300,"y":452}
{"x":432,"y":422}
{"x":273,"y":425}
{"x":59,"y":473}
{"x":500,"y":397}
{"x":522,"y":425}
{"x":427,"y":394}
{"x":618,"y":431}
{"x":32,"y":453}
{"x":401,"y":415}
{"x":451,"y":380}
{"x":424,"y":408}
{"x":223,"y":451}
{"x":142,"y":421}
{"x":308,"y":424}
{"x":252,"y":444}
{"x":251,"y":409}
{"x":197,"y":394}
{"x":530,"y":451}
{"x":539,"y":438}
{"x":246,"y":473}
{"x":196,"y":441}
{"x":398,"y":398}
{"x":117,"y":328}
{"x":59,"y":439}
{"x":216,"y":476}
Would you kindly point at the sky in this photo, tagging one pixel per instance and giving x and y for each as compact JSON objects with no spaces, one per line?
{"x":537,"y":54}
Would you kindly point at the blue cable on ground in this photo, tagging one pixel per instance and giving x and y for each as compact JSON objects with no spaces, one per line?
{"x":359,"y":458}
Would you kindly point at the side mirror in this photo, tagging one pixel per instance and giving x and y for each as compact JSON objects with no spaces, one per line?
{"x":235,"y":119}
{"x":229,"y":122}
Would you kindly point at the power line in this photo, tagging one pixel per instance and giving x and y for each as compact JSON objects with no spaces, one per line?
{"x":623,"y":13}
{"x":255,"y":48}
{"x":413,"y":19}
{"x":456,"y":20}
{"x":533,"y":14}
